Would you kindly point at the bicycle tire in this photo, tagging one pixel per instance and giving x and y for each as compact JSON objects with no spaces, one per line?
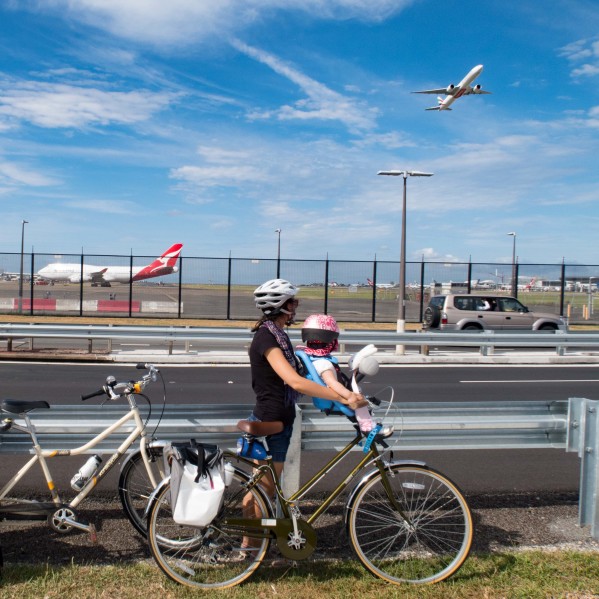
{"x":429,"y":548}
{"x":135,"y":487}
{"x":210,"y":557}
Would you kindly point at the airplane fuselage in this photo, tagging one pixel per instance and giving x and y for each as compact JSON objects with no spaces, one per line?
{"x":461,"y":88}
{"x":105,"y":275}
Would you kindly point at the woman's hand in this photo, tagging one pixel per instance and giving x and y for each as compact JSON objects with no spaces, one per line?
{"x":356,"y":400}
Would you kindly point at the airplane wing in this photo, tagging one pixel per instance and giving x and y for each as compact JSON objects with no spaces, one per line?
{"x":473,"y":90}
{"x":443,"y":90}
{"x":98,"y":276}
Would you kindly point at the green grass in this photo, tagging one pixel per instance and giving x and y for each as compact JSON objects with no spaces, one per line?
{"x":526,"y":575}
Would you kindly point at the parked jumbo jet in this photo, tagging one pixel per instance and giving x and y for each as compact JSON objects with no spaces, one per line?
{"x":105,"y":275}
{"x":453,"y":92}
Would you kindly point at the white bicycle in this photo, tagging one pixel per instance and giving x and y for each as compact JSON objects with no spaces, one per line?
{"x":140,"y":473}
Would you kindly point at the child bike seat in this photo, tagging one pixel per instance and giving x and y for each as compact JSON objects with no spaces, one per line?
{"x":327,"y":406}
{"x":17,"y":406}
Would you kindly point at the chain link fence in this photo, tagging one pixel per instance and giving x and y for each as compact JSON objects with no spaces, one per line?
{"x":353,"y":291}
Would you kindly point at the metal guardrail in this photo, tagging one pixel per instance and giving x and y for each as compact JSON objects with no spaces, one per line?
{"x":572,"y":425}
{"x":169,"y":336}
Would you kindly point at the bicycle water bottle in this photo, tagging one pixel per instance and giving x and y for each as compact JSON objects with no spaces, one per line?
{"x":86,"y":472}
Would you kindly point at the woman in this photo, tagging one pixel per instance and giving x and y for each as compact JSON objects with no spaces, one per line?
{"x":275,"y":378}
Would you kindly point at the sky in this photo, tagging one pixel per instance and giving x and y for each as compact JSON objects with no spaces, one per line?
{"x":128,"y":126}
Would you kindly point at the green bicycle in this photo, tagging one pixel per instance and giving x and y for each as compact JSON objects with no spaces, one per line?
{"x":407,"y":523}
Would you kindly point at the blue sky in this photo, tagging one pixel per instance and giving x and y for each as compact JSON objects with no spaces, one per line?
{"x":128,"y":126}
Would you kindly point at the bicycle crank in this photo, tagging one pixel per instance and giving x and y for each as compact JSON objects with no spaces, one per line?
{"x":64,"y":519}
{"x":295,"y":544}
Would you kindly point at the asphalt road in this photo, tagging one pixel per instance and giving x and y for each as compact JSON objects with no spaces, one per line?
{"x":483,"y":471}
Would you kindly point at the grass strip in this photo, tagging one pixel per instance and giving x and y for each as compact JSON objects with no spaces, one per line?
{"x":526,"y":575}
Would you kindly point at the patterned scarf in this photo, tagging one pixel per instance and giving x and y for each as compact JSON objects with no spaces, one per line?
{"x":291,"y":395}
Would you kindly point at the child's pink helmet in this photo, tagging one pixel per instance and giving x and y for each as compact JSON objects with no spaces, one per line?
{"x":320,"y":333}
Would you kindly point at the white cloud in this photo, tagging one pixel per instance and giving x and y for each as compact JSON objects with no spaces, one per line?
{"x":179,"y":22}
{"x":430,"y":254}
{"x":15,"y":174}
{"x":322,"y":102}
{"x":217,"y":155}
{"x":582,"y":51}
{"x":214,"y":176}
{"x":54,"y":105}
{"x":103,"y":206}
{"x":586,"y":70}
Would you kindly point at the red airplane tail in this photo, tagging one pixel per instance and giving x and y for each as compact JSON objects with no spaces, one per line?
{"x":165,"y":265}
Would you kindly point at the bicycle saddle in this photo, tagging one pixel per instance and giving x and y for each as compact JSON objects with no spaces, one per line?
{"x":17,"y":406}
{"x":260,"y":429}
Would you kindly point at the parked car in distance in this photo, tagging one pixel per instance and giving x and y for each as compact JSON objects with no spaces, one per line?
{"x":459,"y":312}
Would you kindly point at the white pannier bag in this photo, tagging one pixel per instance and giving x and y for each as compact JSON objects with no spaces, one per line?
{"x":197,"y":483}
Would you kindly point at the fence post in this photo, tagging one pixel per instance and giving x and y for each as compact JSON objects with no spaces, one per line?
{"x":326,"y":285}
{"x":374,"y":291}
{"x":180,"y":293}
{"x":229,"y":288}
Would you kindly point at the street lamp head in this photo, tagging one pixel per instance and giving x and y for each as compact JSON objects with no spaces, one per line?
{"x":512,"y":233}
{"x":405,"y":174}
{"x":277,"y":230}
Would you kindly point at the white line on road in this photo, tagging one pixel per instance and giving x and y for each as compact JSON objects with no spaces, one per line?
{"x":537,"y":381}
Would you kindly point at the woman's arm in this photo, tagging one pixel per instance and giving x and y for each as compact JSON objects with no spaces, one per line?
{"x":276,"y":358}
{"x":346,"y":396}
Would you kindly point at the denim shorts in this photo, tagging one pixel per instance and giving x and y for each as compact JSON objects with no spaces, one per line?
{"x":278,"y":444}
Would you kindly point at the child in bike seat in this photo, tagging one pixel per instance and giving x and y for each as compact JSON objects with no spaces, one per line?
{"x":320,"y":333}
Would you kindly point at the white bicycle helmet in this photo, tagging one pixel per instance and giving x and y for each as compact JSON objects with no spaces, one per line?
{"x":270,"y":296}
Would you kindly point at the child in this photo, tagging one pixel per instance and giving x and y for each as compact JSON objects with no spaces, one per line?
{"x":320,"y":333}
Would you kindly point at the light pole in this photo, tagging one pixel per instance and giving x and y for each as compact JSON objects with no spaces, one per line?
{"x":23,"y":223}
{"x":401,"y":318}
{"x":278,"y":231}
{"x":514,"y":282}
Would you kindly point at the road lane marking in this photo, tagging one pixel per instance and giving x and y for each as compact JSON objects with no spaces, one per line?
{"x":537,"y":381}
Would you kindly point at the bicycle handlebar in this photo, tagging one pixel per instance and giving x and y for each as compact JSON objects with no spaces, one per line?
{"x":115,"y":390}
{"x":94,"y":394}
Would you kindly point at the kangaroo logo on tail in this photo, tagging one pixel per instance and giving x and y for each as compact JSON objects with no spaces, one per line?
{"x":165,"y":265}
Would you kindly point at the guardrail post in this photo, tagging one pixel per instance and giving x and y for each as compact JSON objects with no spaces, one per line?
{"x":560,"y":350}
{"x":583,"y":437}
{"x":291,"y":474}
{"x":589,"y":473}
{"x":487,"y":350}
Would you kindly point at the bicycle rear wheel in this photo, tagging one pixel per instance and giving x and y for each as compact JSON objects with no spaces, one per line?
{"x":135,"y":487}
{"x":427,"y":543}
{"x":210,"y":557}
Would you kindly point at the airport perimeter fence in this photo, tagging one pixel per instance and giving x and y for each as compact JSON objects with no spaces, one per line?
{"x":352,"y":291}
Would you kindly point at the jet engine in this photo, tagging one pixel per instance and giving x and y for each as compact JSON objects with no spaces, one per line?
{"x":476,"y":89}
{"x":450,"y":88}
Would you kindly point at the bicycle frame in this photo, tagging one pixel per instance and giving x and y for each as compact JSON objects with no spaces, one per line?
{"x":287,"y":505}
{"x":41,"y":455}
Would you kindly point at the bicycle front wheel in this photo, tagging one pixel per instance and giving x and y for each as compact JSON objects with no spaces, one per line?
{"x":423,"y":535}
{"x":212,"y":557}
{"x":135,"y":487}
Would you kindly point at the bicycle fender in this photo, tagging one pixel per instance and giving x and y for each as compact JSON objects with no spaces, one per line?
{"x":152,"y":498}
{"x":349,"y":506}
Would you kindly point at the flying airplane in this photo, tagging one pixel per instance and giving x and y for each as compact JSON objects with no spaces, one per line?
{"x":453,"y":92}
{"x":105,"y":275}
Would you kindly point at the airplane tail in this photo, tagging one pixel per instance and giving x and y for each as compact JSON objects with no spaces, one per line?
{"x":440,"y":102}
{"x":165,"y":265}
